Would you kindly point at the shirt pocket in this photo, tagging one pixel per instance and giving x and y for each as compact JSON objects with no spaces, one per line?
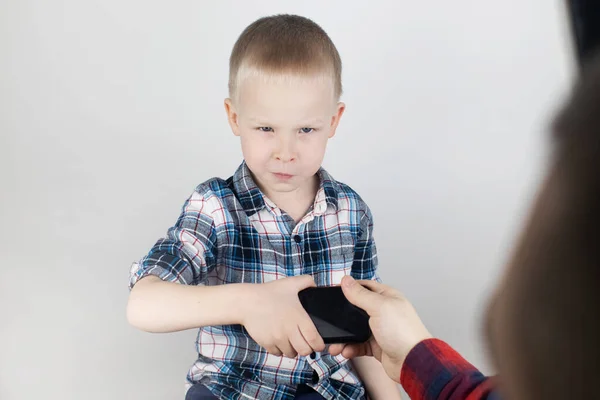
{"x":336,"y":255}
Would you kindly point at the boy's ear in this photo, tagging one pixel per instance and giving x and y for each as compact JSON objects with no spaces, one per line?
{"x":232,"y":117}
{"x":335,"y":120}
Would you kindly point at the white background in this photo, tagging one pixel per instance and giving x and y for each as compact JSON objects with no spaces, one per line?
{"x":111,"y":112}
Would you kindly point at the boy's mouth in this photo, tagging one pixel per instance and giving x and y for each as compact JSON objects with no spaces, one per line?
{"x":283,"y":176}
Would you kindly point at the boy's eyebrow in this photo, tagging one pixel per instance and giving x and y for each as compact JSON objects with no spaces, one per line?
{"x":303,"y":123}
{"x":258,"y":120}
{"x":314,"y":121}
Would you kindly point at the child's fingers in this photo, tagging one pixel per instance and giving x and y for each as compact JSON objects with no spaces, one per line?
{"x":300,"y":282}
{"x":274,"y":350}
{"x":311,"y":335}
{"x":287,"y":349}
{"x":299,"y":343}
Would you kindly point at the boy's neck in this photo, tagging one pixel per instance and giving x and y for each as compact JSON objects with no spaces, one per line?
{"x":298,"y":202}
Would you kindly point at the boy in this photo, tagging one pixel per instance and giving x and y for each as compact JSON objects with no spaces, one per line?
{"x":221,"y":268}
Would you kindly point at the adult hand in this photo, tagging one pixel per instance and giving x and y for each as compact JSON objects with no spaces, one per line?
{"x":395,"y":324}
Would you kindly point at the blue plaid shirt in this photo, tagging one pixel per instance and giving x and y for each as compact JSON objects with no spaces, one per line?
{"x":229,"y":232}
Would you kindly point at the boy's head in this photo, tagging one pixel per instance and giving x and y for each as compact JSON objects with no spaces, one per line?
{"x":284,"y":90}
{"x":544,"y":322}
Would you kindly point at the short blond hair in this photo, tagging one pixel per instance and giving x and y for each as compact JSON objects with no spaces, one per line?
{"x":284,"y":45}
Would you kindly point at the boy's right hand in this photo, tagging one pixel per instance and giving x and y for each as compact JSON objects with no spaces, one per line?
{"x":276,"y":320}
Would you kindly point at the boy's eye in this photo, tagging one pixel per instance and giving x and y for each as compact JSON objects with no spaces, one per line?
{"x":306,"y":130}
{"x":266,"y":129}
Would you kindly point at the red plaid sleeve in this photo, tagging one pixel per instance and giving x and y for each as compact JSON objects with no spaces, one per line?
{"x":433,"y":370}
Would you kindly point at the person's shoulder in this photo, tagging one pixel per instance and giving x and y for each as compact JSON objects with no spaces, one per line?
{"x":209,"y":196}
{"x":350,"y":198}
{"x":214,"y":187}
{"x":345,"y":190}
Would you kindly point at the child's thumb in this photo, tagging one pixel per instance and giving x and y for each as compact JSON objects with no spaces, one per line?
{"x":302,"y":281}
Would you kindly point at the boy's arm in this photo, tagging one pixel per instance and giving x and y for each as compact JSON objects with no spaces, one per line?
{"x":365,"y":263}
{"x":271,"y":312}
{"x":378,"y":384}
{"x":165,"y":296}
{"x":159,"y":306}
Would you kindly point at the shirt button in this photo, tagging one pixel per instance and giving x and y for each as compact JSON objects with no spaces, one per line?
{"x":297,"y":239}
{"x":315,"y":377}
{"x":313,"y":355}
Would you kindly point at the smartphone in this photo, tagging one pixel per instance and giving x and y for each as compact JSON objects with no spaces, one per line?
{"x":336,"y":319}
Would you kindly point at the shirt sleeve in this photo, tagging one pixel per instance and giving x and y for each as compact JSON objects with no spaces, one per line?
{"x":365,"y":262}
{"x":433,"y":370}
{"x":187,"y":254}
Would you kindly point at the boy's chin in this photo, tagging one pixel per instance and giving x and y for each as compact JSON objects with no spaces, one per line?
{"x":291,"y":185}
{"x":283,"y":187}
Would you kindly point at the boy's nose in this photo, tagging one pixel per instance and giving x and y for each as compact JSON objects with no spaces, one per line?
{"x":286,"y":150}
{"x":285,"y":157}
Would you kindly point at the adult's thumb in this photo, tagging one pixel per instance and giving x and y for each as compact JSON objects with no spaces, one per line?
{"x":360,"y":296}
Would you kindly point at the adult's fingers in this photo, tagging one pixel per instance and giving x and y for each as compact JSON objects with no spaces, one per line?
{"x":380,"y":288}
{"x":350,"y":350}
{"x":372,"y":285}
{"x":368,"y":300}
{"x":356,"y":350}
{"x":375,"y":349}
{"x":336,"y":349}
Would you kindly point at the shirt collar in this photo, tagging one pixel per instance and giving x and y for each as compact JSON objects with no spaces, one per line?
{"x":246,"y":190}
{"x":253,"y":200}
{"x":328,"y":191}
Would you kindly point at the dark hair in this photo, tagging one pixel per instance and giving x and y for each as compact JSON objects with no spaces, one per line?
{"x":554,"y":288}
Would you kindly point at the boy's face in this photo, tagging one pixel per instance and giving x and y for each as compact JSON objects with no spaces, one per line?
{"x":284,"y":125}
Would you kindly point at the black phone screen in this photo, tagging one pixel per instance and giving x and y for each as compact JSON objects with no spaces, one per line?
{"x":336,"y":319}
